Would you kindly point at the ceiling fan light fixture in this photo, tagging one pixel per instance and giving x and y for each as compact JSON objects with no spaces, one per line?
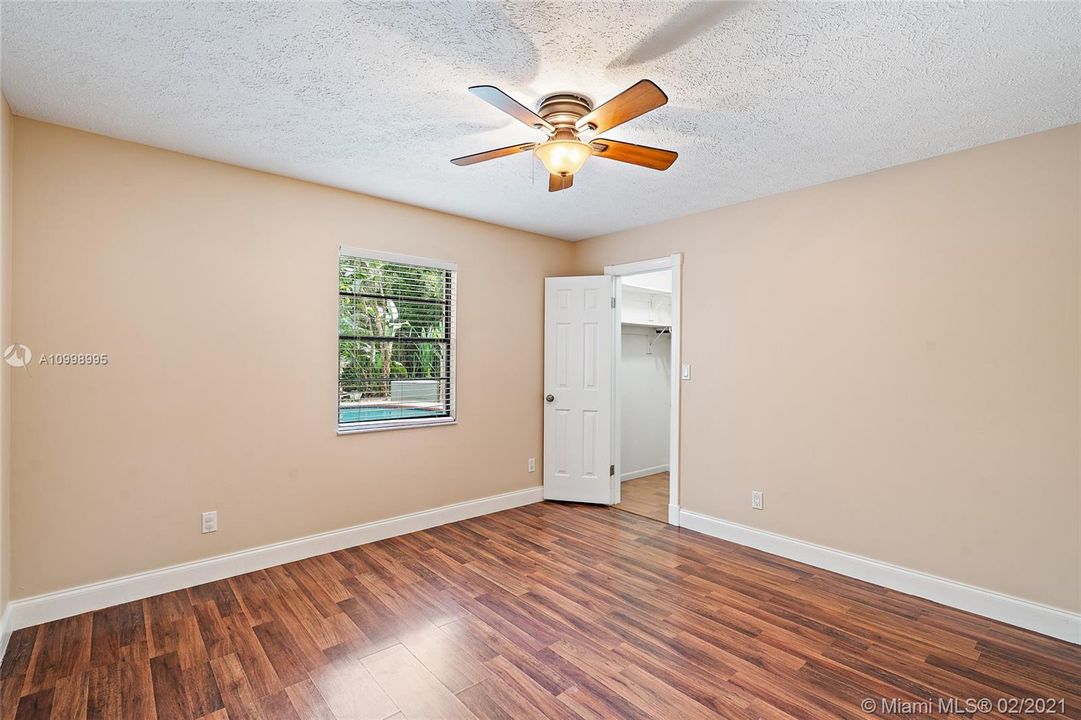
{"x":563,"y":157}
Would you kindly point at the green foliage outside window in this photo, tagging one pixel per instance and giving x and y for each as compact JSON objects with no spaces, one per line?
{"x":393,"y":324}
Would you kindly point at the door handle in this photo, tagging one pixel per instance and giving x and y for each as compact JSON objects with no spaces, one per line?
{"x":549,"y":398}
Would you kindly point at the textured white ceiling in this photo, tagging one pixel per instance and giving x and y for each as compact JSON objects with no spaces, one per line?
{"x":372,"y":96}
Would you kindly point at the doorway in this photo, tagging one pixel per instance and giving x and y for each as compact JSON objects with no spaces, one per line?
{"x":645,"y":395}
{"x":647,"y":371}
{"x":585,"y":388}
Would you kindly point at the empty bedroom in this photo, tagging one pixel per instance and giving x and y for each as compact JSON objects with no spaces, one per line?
{"x":521,"y":359}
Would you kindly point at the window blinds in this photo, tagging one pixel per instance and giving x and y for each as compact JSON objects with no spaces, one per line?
{"x":396,"y":335}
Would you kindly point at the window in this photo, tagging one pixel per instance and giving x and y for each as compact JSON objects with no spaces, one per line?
{"x":395,"y":341}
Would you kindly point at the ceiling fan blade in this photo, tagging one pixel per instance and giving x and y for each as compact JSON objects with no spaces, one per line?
{"x":636,"y":100}
{"x":647,"y":157}
{"x":559,"y":182}
{"x":493,"y":154}
{"x":494,"y":96}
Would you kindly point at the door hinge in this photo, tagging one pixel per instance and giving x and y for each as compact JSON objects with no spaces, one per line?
{"x":613,"y":303}
{"x":611,"y":471}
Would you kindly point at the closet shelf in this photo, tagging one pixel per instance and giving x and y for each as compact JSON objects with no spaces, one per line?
{"x":657,"y":325}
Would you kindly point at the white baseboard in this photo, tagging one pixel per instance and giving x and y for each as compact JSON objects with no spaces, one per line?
{"x":65,"y":603}
{"x":5,"y":630}
{"x":997,"y":606}
{"x":624,"y":477}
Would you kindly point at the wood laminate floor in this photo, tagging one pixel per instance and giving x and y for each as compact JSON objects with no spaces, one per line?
{"x":646,"y":496}
{"x":547,"y":611}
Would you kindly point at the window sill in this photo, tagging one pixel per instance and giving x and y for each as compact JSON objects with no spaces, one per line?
{"x":395,"y":425}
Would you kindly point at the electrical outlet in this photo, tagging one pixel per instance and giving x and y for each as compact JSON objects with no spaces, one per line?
{"x":532,"y":465}
{"x":756,"y":499}
{"x":210,"y":521}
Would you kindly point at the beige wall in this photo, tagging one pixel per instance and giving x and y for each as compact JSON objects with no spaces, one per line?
{"x":893,"y":359}
{"x":214,"y":291}
{"x":7,"y":137}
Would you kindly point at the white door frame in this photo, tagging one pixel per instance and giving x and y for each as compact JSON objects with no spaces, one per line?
{"x":673,"y":262}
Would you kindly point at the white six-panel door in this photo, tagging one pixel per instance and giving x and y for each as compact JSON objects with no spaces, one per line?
{"x":578,"y":334}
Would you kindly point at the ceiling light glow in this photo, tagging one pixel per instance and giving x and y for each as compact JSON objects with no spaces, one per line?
{"x":563,"y":157}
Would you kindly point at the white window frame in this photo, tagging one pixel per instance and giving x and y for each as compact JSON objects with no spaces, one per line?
{"x":406,"y":423}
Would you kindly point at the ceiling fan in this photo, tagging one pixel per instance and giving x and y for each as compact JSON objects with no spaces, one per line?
{"x":566,"y":117}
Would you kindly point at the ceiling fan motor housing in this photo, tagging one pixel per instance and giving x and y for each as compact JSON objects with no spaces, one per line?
{"x":563,"y":110}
